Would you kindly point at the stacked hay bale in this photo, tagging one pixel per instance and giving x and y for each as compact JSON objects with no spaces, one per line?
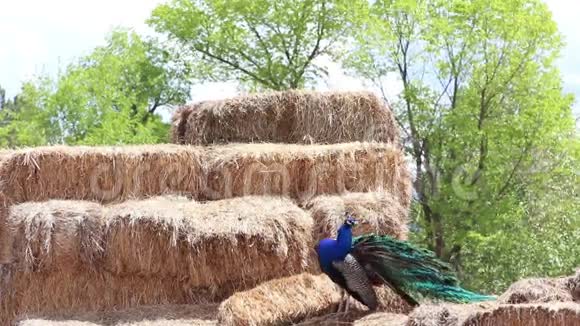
{"x":287,"y":117}
{"x":78,"y":256}
{"x":545,"y":314}
{"x":378,"y":193}
{"x":296,"y":299}
{"x":181,"y":315}
{"x":80,"y":233}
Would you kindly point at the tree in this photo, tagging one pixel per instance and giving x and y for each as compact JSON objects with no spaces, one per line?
{"x":2,"y":97}
{"x":108,"y":97}
{"x":262,"y":43}
{"x":481,"y":100}
{"x":21,"y":122}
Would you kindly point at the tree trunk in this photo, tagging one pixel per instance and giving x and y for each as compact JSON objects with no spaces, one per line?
{"x":439,"y":236}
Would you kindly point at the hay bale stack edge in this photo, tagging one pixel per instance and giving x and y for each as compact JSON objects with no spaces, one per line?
{"x":191,"y":315}
{"x":281,"y":301}
{"x":71,"y":256}
{"x":287,"y":117}
{"x":492,"y":314}
{"x":111,"y":174}
{"x":101,"y":173}
{"x":538,"y":290}
{"x":306,"y":299}
{"x":304,"y":171}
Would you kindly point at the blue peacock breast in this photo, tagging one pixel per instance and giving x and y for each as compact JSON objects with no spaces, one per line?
{"x":328,"y":251}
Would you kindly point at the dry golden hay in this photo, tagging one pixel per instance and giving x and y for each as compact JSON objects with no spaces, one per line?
{"x":179,"y":124}
{"x":382,"y":319}
{"x":4,"y":208}
{"x":70,"y":255}
{"x":69,"y":292}
{"x":238,"y":240}
{"x":304,"y":171}
{"x":537,"y":290}
{"x":305,"y":299}
{"x":53,"y":235}
{"x":197,"y":315}
{"x":573,"y":284}
{"x":492,"y":314}
{"x":157,"y":322}
{"x":42,"y":322}
{"x":358,"y":318}
{"x":377,"y":212}
{"x":232,"y":241}
{"x":109,"y":174}
{"x":280,"y":301}
{"x":287,"y":117}
{"x":104,"y":174}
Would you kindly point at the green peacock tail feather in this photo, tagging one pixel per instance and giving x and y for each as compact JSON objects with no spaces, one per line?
{"x":411,"y":270}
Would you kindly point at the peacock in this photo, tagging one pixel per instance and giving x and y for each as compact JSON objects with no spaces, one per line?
{"x":357,"y":264}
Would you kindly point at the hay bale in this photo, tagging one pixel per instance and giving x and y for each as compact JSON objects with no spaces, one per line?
{"x":164,"y":237}
{"x":4,"y":209}
{"x":70,"y":292}
{"x":53,"y":235}
{"x":382,"y":319}
{"x":537,"y":290}
{"x":358,"y":318}
{"x":201,"y":315}
{"x":491,"y":314}
{"x":109,"y":174}
{"x":179,"y":124}
{"x":106,"y":174}
{"x":73,"y":257}
{"x":572,"y":283}
{"x":377,"y":212}
{"x":304,"y":171}
{"x":234,"y":241}
{"x":161,"y":322}
{"x":552,"y":314}
{"x":445,"y":314}
{"x":287,"y":117}
{"x":280,"y":302}
{"x":41,"y":322}
{"x":305,"y":298}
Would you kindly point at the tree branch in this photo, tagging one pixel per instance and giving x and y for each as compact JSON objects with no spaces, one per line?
{"x":315,"y":50}
{"x":235,"y":66}
{"x":506,"y":185}
{"x":266,"y":50}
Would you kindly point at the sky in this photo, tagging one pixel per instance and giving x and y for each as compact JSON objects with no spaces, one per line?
{"x":39,"y":36}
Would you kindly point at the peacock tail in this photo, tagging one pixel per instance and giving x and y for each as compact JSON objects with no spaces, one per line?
{"x":412,"y":272}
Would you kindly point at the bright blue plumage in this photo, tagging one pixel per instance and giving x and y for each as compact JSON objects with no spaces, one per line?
{"x":330,"y":250}
{"x":356,"y":264}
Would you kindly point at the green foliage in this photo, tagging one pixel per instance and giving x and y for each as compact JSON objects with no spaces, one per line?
{"x":262,"y":43}
{"x":24,"y":121}
{"x":107,"y":97}
{"x":482,"y":106}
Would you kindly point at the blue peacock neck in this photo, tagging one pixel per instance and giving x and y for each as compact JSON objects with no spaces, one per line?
{"x":330,"y":250}
{"x":344,"y":239}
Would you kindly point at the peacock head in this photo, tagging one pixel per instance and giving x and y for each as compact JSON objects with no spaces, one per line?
{"x":350,"y":221}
